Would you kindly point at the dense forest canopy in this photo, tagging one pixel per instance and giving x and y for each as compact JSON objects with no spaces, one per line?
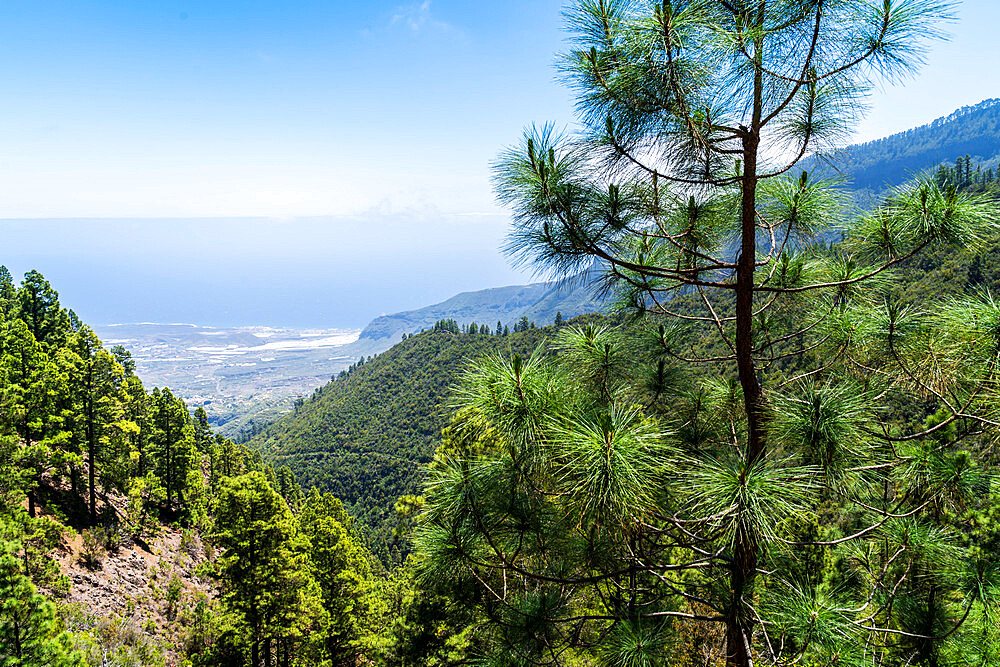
{"x":884,"y":163}
{"x":367,"y":436}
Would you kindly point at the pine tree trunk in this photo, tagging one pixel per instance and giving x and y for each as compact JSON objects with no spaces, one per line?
{"x":739,"y":628}
{"x":34,"y":498}
{"x":142,"y":460}
{"x":170,"y":468}
{"x":744,"y":565}
{"x":91,"y":460}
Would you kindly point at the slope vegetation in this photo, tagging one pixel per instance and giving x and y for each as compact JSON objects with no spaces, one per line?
{"x":365,"y":436}
{"x":538,"y":302}
{"x":890,"y":161}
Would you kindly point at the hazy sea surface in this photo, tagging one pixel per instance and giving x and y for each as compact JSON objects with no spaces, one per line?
{"x":231,"y":272}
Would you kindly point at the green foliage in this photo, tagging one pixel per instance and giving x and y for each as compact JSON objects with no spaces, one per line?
{"x":111,"y":640}
{"x":428,"y":623}
{"x":173,"y":449}
{"x":267,"y":585}
{"x":30,"y":633}
{"x":797,"y":473}
{"x":76,"y":427}
{"x":873,"y":165}
{"x":93,"y":551}
{"x":38,"y":308}
{"x":365,"y":436}
{"x":343,"y":571}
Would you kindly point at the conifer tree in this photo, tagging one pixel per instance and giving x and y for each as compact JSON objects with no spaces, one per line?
{"x":202,"y":431}
{"x":137,"y":413}
{"x":98,"y":383}
{"x":30,"y":634}
{"x":287,"y":487}
{"x":31,"y":383}
{"x":821,"y":419}
{"x":266,"y":578}
{"x":124,"y":359}
{"x":38,"y":307}
{"x":173,"y":443}
{"x":8,"y":295}
{"x":343,"y":571}
{"x":12,"y":476}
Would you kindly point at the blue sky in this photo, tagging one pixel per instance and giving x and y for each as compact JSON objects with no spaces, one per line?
{"x":382,"y":116}
{"x":266,"y":108}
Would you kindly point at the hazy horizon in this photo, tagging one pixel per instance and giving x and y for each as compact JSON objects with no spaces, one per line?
{"x":325,"y":272}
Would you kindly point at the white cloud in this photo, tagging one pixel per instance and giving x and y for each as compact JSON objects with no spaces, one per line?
{"x":417,"y":17}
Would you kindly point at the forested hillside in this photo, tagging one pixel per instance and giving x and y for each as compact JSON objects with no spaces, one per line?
{"x":787,"y":454}
{"x":777,"y":443}
{"x":874,"y":166}
{"x":131,"y":534}
{"x":366,"y":436}
{"x":538,"y":302}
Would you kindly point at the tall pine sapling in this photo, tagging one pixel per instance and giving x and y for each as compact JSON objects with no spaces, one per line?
{"x":821,"y":419}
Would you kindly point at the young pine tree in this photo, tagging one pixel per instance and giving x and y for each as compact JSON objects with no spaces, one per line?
{"x":30,"y":633}
{"x":267,"y":583}
{"x":798,"y":499}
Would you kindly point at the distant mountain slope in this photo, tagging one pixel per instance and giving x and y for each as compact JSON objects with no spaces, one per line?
{"x":876,"y":165}
{"x":538,"y":302}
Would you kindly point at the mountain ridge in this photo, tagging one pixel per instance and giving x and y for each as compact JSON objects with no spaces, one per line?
{"x":539,"y":302}
{"x":872,"y":167}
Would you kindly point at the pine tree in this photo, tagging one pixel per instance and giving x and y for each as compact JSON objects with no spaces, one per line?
{"x":202,"y":431}
{"x":31,"y":382}
{"x":135,"y":461}
{"x":38,"y":307}
{"x":287,"y":487}
{"x":30,"y":634}
{"x":8,"y":295}
{"x":343,"y":572}
{"x":98,"y":383}
{"x":173,"y":444}
{"x":13,"y":482}
{"x":266,"y":579}
{"x":591,"y":524}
